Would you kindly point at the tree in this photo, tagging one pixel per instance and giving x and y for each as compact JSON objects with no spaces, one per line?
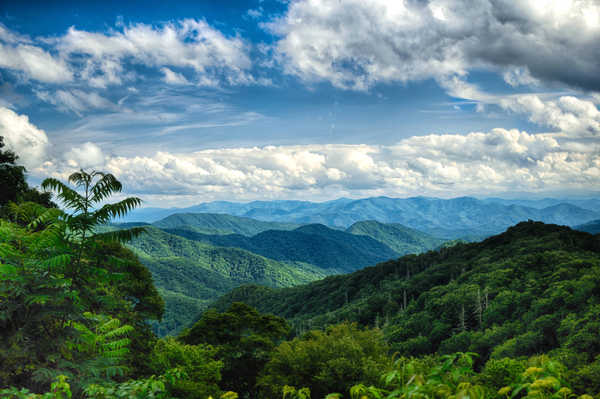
{"x":12,"y":176}
{"x":87,"y":214}
{"x":327,"y":361}
{"x":14,"y":185}
{"x":244,"y":340}
{"x":54,"y":267}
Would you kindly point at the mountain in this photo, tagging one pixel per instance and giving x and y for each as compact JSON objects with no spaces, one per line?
{"x":592,"y":227}
{"x":330,"y":249}
{"x":401,"y":239}
{"x":189,"y":273}
{"x":591,"y":204}
{"x":192,"y":268}
{"x":463,"y":217}
{"x":533,"y":289}
{"x":214,"y":223}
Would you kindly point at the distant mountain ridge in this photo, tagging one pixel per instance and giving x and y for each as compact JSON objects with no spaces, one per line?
{"x":592,"y":227}
{"x":403,"y":240}
{"x":212,"y":223}
{"x":447,"y":218}
{"x":319,"y":245}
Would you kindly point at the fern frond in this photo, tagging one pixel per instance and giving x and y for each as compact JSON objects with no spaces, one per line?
{"x":104,"y":187}
{"x":118,"y":209}
{"x":71,"y":198}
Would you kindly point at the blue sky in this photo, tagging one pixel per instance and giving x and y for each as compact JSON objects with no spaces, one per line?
{"x":198,"y":101}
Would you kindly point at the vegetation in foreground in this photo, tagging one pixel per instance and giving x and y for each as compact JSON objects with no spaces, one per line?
{"x":75,"y":306}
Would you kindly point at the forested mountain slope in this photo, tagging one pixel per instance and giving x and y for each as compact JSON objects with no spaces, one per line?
{"x":319,"y":245}
{"x":534,"y":288}
{"x":401,"y":239}
{"x":189,"y":273}
{"x":217,"y":223}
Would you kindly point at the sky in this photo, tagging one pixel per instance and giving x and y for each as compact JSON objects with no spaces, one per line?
{"x":189,"y":102}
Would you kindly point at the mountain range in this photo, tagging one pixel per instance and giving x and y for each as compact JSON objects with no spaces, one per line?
{"x":463,"y":217}
{"x":195,"y":258}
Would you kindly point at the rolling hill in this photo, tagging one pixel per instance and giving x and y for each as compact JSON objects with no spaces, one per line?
{"x":401,"y":239}
{"x":532,"y":289}
{"x":192,"y":268}
{"x":215,"y":223}
{"x":333,"y":250}
{"x":189,"y":273}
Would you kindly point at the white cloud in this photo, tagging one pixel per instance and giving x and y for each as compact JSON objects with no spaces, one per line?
{"x":33,"y":62}
{"x":172,"y":77}
{"x":88,"y":155}
{"x":22,"y":137}
{"x":569,"y":115}
{"x":359,"y":43}
{"x":189,"y":43}
{"x":101,"y":59}
{"x":446,"y":164}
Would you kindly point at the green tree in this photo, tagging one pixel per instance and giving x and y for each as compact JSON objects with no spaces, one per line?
{"x":12,"y":176}
{"x":55,"y":266}
{"x":327,"y":361}
{"x":244,"y":340}
{"x":197,"y":362}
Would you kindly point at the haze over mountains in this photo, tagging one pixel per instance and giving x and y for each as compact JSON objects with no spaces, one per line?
{"x":446,"y":218}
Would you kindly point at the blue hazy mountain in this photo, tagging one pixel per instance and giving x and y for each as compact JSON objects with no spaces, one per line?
{"x":463,"y":217}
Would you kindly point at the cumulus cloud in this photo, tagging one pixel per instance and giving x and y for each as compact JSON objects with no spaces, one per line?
{"x":101,"y":59}
{"x":570,"y":115}
{"x":359,"y":43}
{"x":22,"y":137}
{"x":446,"y":164}
{"x":189,"y":43}
{"x":88,"y":155}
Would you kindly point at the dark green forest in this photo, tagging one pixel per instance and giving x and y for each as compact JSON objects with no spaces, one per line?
{"x":514,"y":316}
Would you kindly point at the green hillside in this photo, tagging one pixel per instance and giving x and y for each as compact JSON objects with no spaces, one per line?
{"x":217,"y":223}
{"x":401,"y":239}
{"x":189,"y":273}
{"x":334,"y":250}
{"x":533,"y":289}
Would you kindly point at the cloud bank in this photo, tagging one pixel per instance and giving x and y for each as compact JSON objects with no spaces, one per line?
{"x":445,"y":164}
{"x":356,"y":44}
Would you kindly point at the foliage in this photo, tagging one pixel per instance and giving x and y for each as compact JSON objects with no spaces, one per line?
{"x":201,"y":372}
{"x":326,"y":361}
{"x":244,"y":340}
{"x":55,"y":271}
{"x":13,"y":183}
{"x":533,"y":289}
{"x":59,"y":389}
